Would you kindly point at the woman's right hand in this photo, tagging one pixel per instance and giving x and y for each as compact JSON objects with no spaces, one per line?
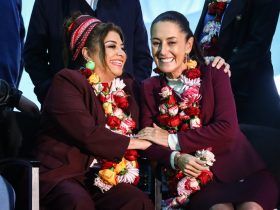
{"x":189,"y":165}
{"x":136,"y":143}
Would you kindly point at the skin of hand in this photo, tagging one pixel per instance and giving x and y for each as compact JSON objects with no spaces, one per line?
{"x":189,"y":165}
{"x":155,"y":135}
{"x":136,"y":143}
{"x":25,"y":105}
{"x":218,"y":62}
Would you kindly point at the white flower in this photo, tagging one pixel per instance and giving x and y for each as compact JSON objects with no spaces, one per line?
{"x":98,"y":88}
{"x":206,"y":155}
{"x":130,"y":175}
{"x":165,"y":92}
{"x":173,"y":110}
{"x":98,"y":182}
{"x":190,"y":82}
{"x":118,"y":113}
{"x":117,"y":84}
{"x":163,"y":109}
{"x":195,"y":123}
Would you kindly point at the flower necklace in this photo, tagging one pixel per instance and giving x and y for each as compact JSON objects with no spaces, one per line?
{"x":181,"y":116}
{"x":211,"y":30}
{"x":174,"y":116}
{"x":115,"y":104}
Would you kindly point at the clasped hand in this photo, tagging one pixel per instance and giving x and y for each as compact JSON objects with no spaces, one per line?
{"x":190,"y":165}
{"x":155,"y":135}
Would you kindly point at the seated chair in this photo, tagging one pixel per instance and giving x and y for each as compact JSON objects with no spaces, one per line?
{"x":16,"y":164}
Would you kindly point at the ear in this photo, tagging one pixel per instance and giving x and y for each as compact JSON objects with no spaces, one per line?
{"x":86,"y":54}
{"x":189,"y":45}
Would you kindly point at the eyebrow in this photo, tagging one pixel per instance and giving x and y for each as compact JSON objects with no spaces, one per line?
{"x":112,"y":41}
{"x":169,"y":38}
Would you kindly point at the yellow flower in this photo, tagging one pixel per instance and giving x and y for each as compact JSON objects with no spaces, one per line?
{"x":93,"y":79}
{"x":108,"y":108}
{"x":191,"y":64}
{"x":134,"y":164}
{"x":108,"y":176}
{"x":120,"y":166}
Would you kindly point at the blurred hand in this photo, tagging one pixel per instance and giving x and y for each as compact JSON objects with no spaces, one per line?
{"x":25,"y":105}
{"x":218,"y":62}
{"x":189,"y":164}
{"x":136,"y":143}
{"x":154,"y":134}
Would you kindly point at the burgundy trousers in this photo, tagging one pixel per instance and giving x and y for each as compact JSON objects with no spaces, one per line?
{"x":72,"y":195}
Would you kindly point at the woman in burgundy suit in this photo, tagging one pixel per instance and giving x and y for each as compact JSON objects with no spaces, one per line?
{"x":85,"y":146}
{"x":189,"y":107}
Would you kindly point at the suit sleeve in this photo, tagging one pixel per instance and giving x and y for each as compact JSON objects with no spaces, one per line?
{"x":223,"y":127}
{"x":142,"y":60}
{"x":154,"y":152}
{"x":35,"y":50}
{"x":65,"y":106}
{"x":261,"y":29}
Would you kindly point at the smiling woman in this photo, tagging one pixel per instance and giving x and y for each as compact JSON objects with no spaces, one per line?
{"x":192,"y":9}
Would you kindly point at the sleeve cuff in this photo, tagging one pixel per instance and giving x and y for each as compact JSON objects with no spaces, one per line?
{"x":172,"y":159}
{"x":173,"y":142}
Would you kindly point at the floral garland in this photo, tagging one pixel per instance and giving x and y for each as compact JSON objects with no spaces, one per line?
{"x":184,"y":115}
{"x":211,"y":30}
{"x":187,"y":185}
{"x":115,"y":105}
{"x":177,"y":116}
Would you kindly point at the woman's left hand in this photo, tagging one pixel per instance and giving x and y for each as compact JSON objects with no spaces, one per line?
{"x":154,"y":134}
{"x":218,"y":62}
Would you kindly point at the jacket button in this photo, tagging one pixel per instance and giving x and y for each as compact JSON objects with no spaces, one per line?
{"x":238,"y":17}
{"x":235,"y":50}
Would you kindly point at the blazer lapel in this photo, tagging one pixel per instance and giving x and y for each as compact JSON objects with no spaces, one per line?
{"x":234,"y":8}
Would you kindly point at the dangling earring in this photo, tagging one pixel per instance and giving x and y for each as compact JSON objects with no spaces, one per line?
{"x":90,"y":65}
{"x":186,"y":58}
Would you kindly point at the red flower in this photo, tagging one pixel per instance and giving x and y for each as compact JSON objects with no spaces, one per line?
{"x":216,"y":8}
{"x":205,"y":177}
{"x":171,"y":100}
{"x":136,"y":180}
{"x":174,"y":121}
{"x":163,"y":119}
{"x":107,"y":165}
{"x":192,"y":111}
{"x":193,"y":73}
{"x":113,"y":122}
{"x":86,"y":72}
{"x":131,"y":155}
{"x":102,"y":98}
{"x":121,"y":102}
{"x":185,"y":127}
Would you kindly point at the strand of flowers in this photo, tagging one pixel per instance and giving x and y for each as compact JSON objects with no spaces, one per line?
{"x":187,"y":185}
{"x":177,"y":116}
{"x":174,"y":116}
{"x":115,"y":104}
{"x":211,"y":30}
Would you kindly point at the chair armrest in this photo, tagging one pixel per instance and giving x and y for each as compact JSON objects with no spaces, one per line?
{"x":23,"y":175}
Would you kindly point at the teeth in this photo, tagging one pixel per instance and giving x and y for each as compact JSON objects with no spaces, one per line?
{"x":117,"y":62}
{"x":166,"y":60}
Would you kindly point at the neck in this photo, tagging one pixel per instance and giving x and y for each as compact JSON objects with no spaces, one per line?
{"x":175,"y":74}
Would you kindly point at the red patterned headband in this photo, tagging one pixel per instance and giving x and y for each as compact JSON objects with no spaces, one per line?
{"x":81,"y":33}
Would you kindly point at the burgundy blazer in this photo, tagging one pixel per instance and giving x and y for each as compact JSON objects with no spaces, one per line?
{"x":235,"y":157}
{"x":73,"y":129}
